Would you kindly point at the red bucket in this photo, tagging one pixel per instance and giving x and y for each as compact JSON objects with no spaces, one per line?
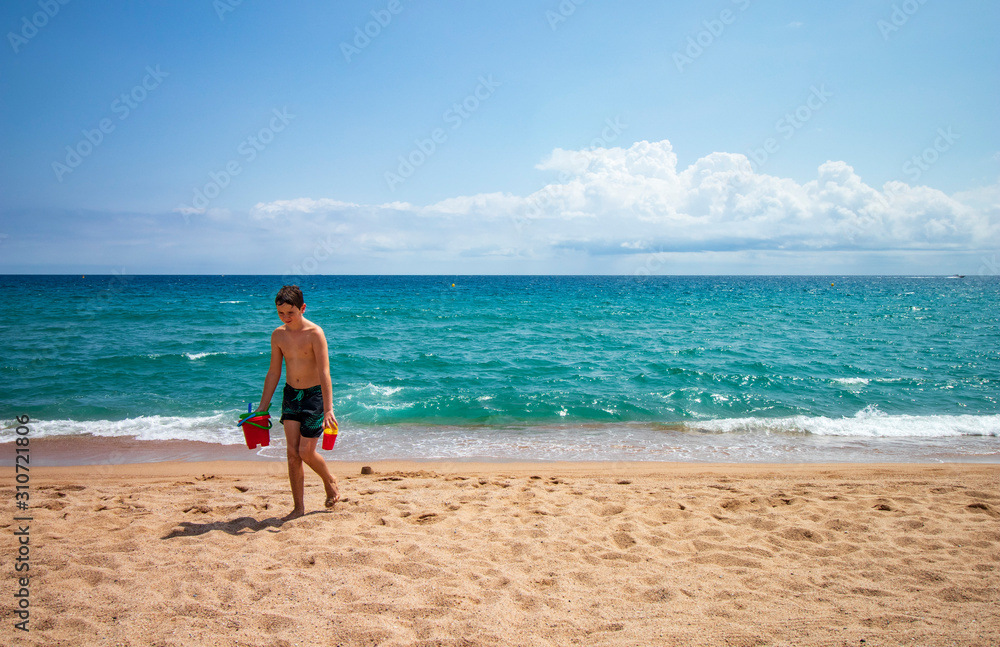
{"x":256,"y":430}
{"x":329,"y":437}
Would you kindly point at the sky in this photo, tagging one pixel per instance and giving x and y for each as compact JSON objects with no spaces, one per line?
{"x":521,"y":137}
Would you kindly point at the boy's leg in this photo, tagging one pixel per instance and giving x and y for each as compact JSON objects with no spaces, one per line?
{"x":309,"y":455}
{"x":296,"y":473}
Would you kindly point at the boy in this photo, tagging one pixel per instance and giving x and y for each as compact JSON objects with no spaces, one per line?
{"x":307,"y":403}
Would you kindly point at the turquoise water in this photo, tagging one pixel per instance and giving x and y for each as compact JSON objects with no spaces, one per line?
{"x":612,"y":368}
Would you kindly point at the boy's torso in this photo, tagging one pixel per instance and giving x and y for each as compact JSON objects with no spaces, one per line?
{"x":301,"y":367}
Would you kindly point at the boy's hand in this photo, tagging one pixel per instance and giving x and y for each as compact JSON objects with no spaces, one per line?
{"x":330,"y":420}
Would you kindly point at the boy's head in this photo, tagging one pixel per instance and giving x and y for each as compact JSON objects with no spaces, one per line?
{"x":290,"y":294}
{"x":290,"y":304}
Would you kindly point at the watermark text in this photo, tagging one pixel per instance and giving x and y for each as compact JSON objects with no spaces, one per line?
{"x":705,"y":38}
{"x":363,"y":36}
{"x":30,"y":26}
{"x":247,"y":150}
{"x":455,"y":116}
{"x":789,"y":124}
{"x":22,"y":524}
{"x":122,"y":106}
{"x":901,"y":14}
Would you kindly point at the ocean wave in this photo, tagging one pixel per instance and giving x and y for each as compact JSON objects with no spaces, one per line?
{"x":374,"y":389}
{"x":851,"y":381}
{"x":200,"y":355}
{"x":219,"y":428}
{"x":870,"y":422}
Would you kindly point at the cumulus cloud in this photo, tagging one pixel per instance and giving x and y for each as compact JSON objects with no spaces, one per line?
{"x":635,"y":200}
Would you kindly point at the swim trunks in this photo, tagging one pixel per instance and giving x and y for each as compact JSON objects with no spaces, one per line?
{"x":305,"y":406}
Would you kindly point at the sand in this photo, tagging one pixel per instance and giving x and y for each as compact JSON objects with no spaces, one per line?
{"x":511,"y":554}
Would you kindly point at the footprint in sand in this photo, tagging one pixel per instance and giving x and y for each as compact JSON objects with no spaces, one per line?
{"x":428,"y":518}
{"x":657,"y":595}
{"x":610,"y":510}
{"x":983,"y":508}
{"x":801,"y":534}
{"x":732,"y":505}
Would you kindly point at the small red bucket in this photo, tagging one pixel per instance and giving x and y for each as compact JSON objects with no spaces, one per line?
{"x":256,"y":430}
{"x":329,"y":437}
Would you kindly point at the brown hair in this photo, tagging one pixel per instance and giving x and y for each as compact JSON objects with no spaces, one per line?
{"x":290,"y":294}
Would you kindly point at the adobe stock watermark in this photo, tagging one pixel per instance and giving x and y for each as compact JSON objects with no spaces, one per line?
{"x":705,"y":38}
{"x":247,"y":151}
{"x":310,"y":265}
{"x":989,"y":266}
{"x":652,"y":265}
{"x":538,"y":202}
{"x":901,"y":14}
{"x":914,"y":168}
{"x":562,"y":13}
{"x":792,"y":122}
{"x":22,"y":522}
{"x":222,"y":7}
{"x":32,"y":25}
{"x":123,"y":105}
{"x":455,"y":116}
{"x":112,"y":460}
{"x":113,"y":292}
{"x":363,"y":36}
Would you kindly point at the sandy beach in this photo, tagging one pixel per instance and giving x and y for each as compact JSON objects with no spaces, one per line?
{"x":196,"y":553}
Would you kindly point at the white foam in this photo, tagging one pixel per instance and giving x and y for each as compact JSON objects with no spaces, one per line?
{"x":851,"y":381}
{"x":384,"y":406}
{"x":200,"y":355}
{"x":871,"y":431}
{"x":219,"y":428}
{"x":384,"y":390}
{"x":870,"y":422}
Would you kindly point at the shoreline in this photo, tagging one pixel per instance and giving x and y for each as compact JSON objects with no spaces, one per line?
{"x":78,"y":450}
{"x":182,"y":461}
{"x":114,"y":450}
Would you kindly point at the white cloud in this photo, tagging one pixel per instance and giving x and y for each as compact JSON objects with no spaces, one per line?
{"x":264,"y":211}
{"x":614,"y":201}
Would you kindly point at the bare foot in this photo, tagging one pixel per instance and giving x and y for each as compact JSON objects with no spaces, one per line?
{"x":332,"y":494}
{"x":294,"y":514}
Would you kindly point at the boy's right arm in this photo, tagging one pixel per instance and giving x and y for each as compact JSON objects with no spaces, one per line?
{"x":273,"y":374}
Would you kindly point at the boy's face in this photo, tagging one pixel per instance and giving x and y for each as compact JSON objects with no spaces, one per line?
{"x":289,"y":313}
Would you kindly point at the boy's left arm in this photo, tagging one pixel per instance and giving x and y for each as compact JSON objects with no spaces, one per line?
{"x":326,"y":383}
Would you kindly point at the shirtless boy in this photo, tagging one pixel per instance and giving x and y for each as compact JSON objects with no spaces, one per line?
{"x":307,"y":403}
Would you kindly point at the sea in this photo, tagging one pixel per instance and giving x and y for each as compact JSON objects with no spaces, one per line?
{"x":732,"y":369}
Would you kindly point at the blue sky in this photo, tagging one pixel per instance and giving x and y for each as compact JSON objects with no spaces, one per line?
{"x":729,"y":136}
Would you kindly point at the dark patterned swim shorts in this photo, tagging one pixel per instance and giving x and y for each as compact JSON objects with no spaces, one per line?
{"x":305,"y":406}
